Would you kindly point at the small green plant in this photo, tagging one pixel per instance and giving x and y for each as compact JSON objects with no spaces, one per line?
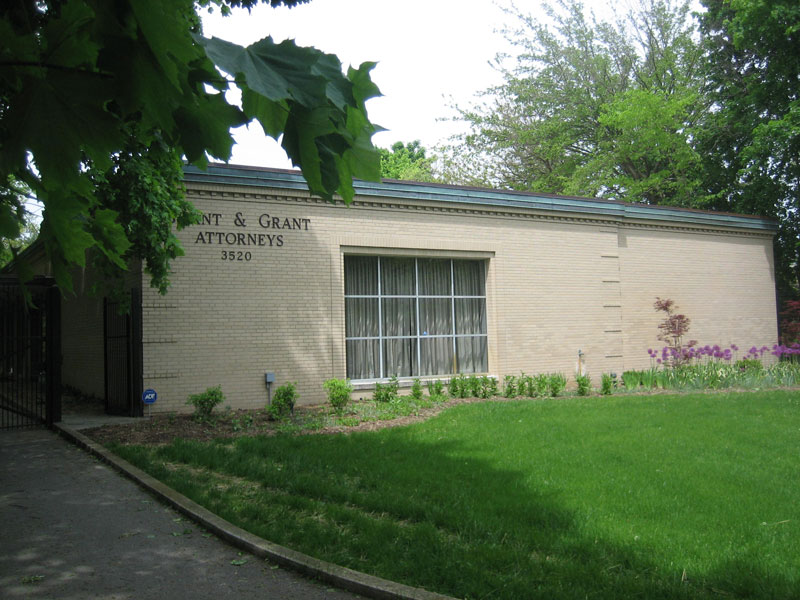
{"x":386,"y":392}
{"x":632,"y":379}
{"x":205,"y":402}
{"x":284,"y":400}
{"x":510,"y":386}
{"x":541,"y":384}
{"x":649,"y":379}
{"x":339,"y":391}
{"x":487,"y":387}
{"x":556,"y":383}
{"x":525,"y":385}
{"x":436,"y":389}
{"x":242,"y":423}
{"x":752,"y":365}
{"x":459,"y":386}
{"x":606,"y":384}
{"x":475,"y":385}
{"x":416,"y":390}
{"x":584,"y":385}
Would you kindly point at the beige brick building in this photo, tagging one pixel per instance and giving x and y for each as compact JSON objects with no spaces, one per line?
{"x":419,"y":280}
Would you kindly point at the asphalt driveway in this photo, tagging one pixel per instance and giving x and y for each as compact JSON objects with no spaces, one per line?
{"x":71,"y":527}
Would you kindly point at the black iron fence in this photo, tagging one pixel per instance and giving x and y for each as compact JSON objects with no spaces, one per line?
{"x":122,"y":335}
{"x":30,"y":353}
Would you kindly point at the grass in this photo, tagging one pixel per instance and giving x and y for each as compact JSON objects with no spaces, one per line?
{"x":687,"y":496}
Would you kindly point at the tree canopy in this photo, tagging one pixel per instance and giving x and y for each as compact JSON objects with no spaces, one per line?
{"x":100,"y":101}
{"x":590,"y":107}
{"x":407,"y":161}
{"x":750,"y":139}
{"x":655,"y":106}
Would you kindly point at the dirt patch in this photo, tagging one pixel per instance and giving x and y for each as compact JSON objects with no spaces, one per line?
{"x":163,"y":429}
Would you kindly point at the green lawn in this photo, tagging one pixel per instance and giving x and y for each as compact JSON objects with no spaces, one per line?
{"x":685,"y":496}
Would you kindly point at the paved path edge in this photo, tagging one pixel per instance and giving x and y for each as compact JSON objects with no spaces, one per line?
{"x":342,"y":577}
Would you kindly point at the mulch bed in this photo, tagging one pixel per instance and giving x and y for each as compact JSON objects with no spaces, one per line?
{"x":164,"y":428}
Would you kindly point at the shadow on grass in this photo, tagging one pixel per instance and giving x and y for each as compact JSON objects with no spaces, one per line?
{"x":431,"y":513}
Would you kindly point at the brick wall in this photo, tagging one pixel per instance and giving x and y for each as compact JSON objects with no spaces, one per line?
{"x":555,"y":285}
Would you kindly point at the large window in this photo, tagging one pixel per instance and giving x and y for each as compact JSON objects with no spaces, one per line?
{"x":414,"y":317}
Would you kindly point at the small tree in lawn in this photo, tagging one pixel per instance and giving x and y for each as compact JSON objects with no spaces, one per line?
{"x":672,"y":329}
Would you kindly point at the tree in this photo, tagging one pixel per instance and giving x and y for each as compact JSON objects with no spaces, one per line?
{"x":591,"y":108}
{"x":95,"y":95}
{"x":750,"y":140}
{"x":406,"y":161}
{"x":22,"y":236}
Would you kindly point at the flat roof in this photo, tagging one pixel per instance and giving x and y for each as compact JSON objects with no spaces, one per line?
{"x":412,"y":190}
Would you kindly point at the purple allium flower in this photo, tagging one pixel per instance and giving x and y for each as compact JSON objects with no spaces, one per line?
{"x":658,"y":361}
{"x":734,"y":347}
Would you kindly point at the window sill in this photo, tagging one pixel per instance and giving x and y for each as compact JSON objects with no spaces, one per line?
{"x":407,"y":382}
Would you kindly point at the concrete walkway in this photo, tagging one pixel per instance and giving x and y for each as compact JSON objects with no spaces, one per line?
{"x":72,"y":528}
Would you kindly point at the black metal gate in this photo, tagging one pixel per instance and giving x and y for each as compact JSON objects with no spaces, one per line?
{"x":123,"y":357}
{"x":30,"y":353}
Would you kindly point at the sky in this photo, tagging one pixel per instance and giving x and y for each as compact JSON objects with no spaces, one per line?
{"x":430,"y":54}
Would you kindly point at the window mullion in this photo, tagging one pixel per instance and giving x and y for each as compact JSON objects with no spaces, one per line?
{"x":453,"y":315}
{"x":416,"y":295}
{"x":380,"y":322}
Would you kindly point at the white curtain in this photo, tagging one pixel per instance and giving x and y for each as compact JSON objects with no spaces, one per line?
{"x":430,"y":343}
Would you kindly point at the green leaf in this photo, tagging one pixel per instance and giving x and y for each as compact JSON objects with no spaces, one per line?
{"x":110,"y":236}
{"x":164,"y":28}
{"x":67,"y":37}
{"x":10,"y":225}
{"x":363,"y":87}
{"x":205,"y":127}
{"x":270,"y":114}
{"x":60,"y":117}
{"x":64,"y":223}
{"x":276,"y":71}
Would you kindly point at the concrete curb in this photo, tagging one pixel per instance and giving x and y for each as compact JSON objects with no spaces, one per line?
{"x":342,"y":577}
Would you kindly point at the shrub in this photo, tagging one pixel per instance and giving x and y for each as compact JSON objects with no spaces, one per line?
{"x":205,"y":402}
{"x":416,"y":390}
{"x":790,"y":322}
{"x":584,"y":384}
{"x":606,"y":384}
{"x":556,"y":383}
{"x":339,"y":391}
{"x":283,"y":401}
{"x":386,"y":392}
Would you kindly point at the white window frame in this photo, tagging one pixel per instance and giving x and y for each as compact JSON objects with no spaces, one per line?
{"x":452,"y":297}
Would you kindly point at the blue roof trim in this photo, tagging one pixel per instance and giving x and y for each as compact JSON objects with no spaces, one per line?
{"x":406,"y":190}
